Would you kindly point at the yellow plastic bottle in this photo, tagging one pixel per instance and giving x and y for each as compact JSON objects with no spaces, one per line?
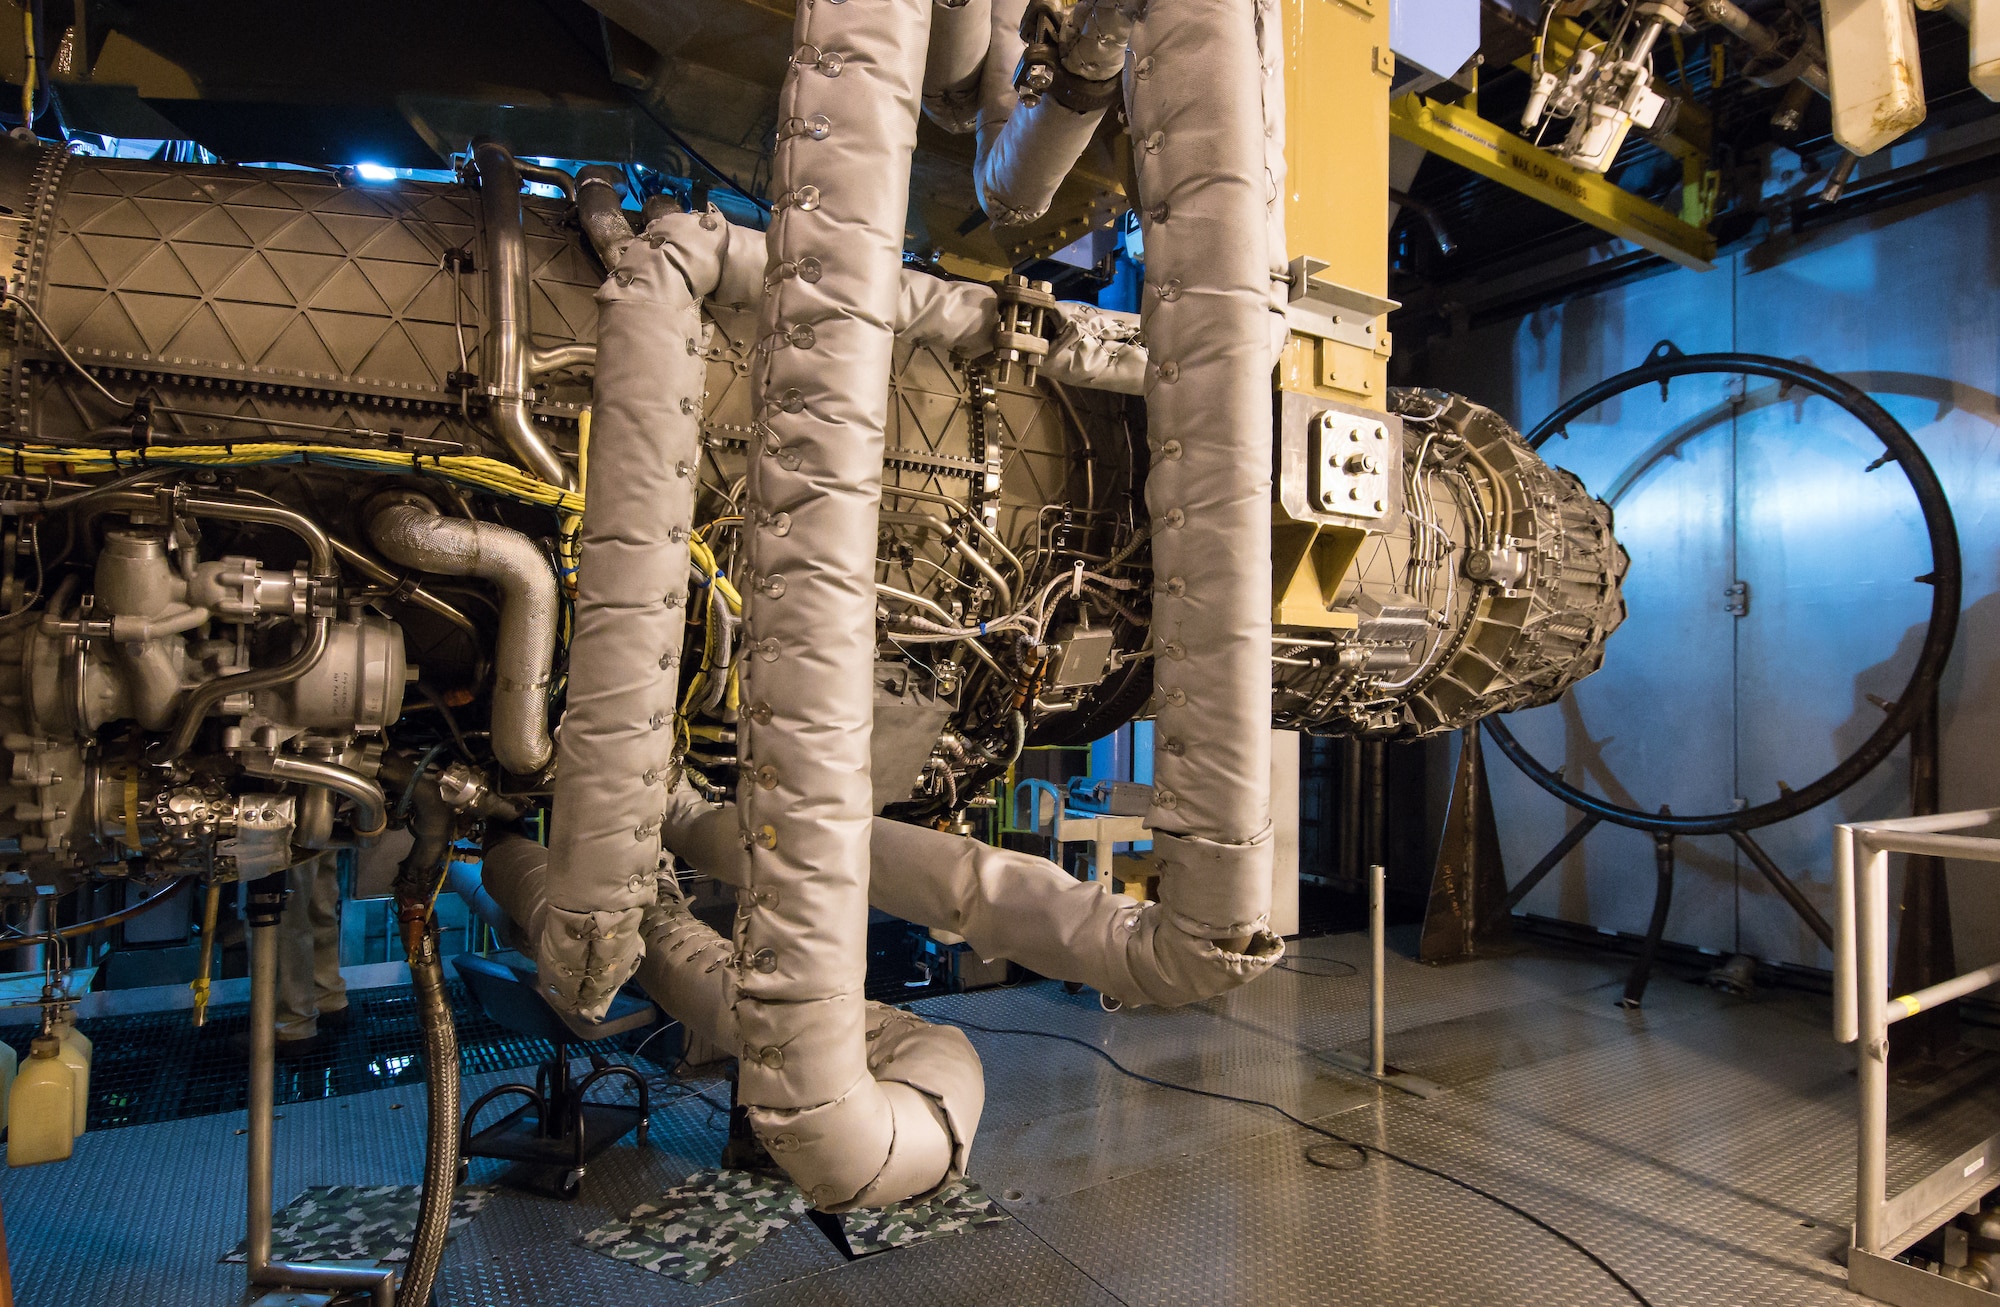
{"x":76,"y":1052}
{"x":41,"y":1107}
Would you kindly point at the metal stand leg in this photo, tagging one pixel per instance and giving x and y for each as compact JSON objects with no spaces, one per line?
{"x":266,"y":902}
{"x":1663,"y":902}
{"x":1376,"y":1064}
{"x":1378,"y":967}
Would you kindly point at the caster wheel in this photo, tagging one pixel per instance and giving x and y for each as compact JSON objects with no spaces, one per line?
{"x":1108,"y":1003}
{"x":642,"y":1133}
{"x":1072,"y":987}
{"x":464,"y":1169}
{"x":572,"y":1185}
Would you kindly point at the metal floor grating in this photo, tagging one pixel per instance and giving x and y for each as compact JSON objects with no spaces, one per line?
{"x":1702,"y":1146}
{"x":158,"y":1067}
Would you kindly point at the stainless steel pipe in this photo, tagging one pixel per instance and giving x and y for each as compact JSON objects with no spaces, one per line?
{"x":263,"y":1067}
{"x":503,"y":366}
{"x":371,"y":809}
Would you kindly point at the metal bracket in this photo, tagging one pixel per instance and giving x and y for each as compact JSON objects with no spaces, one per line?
{"x":1330,"y":311}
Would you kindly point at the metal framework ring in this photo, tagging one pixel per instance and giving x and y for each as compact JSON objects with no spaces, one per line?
{"x":1945,"y":578}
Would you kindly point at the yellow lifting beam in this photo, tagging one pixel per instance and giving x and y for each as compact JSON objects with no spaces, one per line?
{"x":1462,"y":136}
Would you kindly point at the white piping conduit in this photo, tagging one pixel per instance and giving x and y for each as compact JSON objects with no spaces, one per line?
{"x":957,"y":54}
{"x":1024,"y":151}
{"x":631,"y":606}
{"x":1197,"y":90}
{"x":414,"y":534}
{"x":1006,"y":904}
{"x":825,"y":338}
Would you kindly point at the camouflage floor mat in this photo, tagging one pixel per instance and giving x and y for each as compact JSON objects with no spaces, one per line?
{"x":959,"y":1207}
{"x":709,"y":1221}
{"x":358,"y":1223}
{"x":714,"y":1219}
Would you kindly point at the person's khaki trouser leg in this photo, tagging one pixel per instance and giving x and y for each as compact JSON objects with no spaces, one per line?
{"x":309,"y":980}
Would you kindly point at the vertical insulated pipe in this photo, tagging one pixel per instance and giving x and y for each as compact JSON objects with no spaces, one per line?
{"x":846,"y":130}
{"x":1197,"y":86}
{"x":958,"y":40}
{"x":616,"y":749}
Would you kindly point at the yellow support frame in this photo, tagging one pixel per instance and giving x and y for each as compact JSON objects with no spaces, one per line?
{"x":1462,"y":136}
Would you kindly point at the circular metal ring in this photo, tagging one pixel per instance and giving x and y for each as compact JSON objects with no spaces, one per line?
{"x":1945,"y":578}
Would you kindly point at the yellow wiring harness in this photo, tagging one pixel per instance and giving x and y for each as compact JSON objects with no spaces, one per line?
{"x":487,"y":474}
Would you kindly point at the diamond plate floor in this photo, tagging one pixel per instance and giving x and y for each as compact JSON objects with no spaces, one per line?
{"x":1702,"y":1146}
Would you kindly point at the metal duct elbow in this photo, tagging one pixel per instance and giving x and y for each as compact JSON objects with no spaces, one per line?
{"x":504,"y":353}
{"x":602,"y":213}
{"x":411,"y":532}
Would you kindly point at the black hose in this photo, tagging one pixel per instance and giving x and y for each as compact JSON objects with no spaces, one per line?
{"x":1945,"y":579}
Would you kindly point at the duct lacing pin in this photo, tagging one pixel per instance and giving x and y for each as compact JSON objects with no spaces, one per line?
{"x":828,"y":62}
{"x":806,"y":198}
{"x":818,"y":127}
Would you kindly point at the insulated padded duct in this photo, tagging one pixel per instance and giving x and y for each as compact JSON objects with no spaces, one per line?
{"x":1024,"y":151}
{"x":1006,"y":904}
{"x":959,"y":34}
{"x":631,"y":605}
{"x":1196,"y":105}
{"x":413,"y":533}
{"x":847,"y":127}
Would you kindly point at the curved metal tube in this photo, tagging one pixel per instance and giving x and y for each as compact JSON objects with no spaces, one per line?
{"x":561,"y":358}
{"x":1946,"y":579}
{"x":416,"y":594}
{"x":106,"y":922}
{"x":202,"y":698}
{"x":319,"y":545}
{"x":371,"y":809}
{"x":416,"y":535}
{"x":504,"y":352}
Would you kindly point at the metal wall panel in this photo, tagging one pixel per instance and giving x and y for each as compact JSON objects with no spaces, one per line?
{"x":1694,"y":706}
{"x":1908,"y":311}
{"x":1645,"y":730}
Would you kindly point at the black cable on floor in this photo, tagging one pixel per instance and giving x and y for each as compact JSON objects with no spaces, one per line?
{"x":1289,"y":964}
{"x":1300,"y":1121}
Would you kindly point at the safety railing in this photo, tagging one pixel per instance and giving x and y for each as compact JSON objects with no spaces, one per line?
{"x":1885,"y":1226}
